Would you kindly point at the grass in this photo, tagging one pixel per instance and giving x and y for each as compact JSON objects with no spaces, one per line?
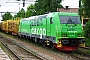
{"x":6,"y":51}
{"x":2,"y":47}
{"x":88,"y":41}
{"x":85,"y":50}
{"x":13,"y":42}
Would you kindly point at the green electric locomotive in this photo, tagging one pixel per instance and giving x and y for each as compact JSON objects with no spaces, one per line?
{"x":60,"y":30}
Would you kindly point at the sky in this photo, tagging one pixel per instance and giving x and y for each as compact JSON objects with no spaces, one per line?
{"x":15,"y":7}
{"x":71,"y":3}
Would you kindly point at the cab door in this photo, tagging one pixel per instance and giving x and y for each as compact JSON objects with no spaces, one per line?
{"x":48,"y":25}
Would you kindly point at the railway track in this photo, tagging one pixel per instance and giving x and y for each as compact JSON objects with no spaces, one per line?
{"x":85,"y":51}
{"x":42,"y":53}
{"x":88,"y":48}
{"x":20,"y":52}
{"x":76,"y":55}
{"x":81,"y":54}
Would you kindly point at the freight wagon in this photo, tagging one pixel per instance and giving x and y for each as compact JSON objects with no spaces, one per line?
{"x":11,"y":26}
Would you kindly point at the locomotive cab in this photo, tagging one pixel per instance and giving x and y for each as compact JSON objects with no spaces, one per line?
{"x":70,"y":33}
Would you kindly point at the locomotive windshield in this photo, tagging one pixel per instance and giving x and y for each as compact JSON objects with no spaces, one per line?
{"x":69,"y":20}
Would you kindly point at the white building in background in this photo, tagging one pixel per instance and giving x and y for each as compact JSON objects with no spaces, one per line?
{"x":14,"y":7}
{"x":71,"y":3}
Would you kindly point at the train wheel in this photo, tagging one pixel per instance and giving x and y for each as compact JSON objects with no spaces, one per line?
{"x":27,"y":37}
{"x":52,"y":46}
{"x":35,"y":39}
{"x":40,"y":41}
{"x":43,"y":43}
{"x":30,"y":39}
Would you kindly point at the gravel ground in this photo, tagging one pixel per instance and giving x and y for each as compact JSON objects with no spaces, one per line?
{"x":44,"y":52}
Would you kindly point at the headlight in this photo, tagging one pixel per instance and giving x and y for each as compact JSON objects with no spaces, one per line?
{"x":64,"y":35}
{"x":79,"y":35}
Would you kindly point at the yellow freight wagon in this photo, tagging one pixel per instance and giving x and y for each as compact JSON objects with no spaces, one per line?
{"x":10,"y":26}
{"x":15,"y":25}
{"x":7,"y":26}
{"x":3,"y":25}
{"x":0,"y":26}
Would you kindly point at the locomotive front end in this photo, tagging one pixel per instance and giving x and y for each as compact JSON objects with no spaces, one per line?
{"x":70,"y":33}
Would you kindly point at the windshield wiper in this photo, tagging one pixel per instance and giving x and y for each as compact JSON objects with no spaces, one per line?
{"x":70,"y":21}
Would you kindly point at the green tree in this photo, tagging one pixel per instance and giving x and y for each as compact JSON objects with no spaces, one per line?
{"x":80,"y":7}
{"x":30,"y":11}
{"x":87,"y":30}
{"x":45,"y":6}
{"x":7,"y":16}
{"x":21,"y":13}
{"x":86,"y":9}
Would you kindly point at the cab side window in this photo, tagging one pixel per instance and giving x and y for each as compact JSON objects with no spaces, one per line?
{"x":51,"y":20}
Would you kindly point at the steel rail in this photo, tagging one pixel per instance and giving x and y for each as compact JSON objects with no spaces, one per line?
{"x":24,"y":48}
{"x":10,"y":51}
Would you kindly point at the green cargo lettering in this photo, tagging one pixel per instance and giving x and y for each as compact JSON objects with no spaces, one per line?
{"x":39,"y":31}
